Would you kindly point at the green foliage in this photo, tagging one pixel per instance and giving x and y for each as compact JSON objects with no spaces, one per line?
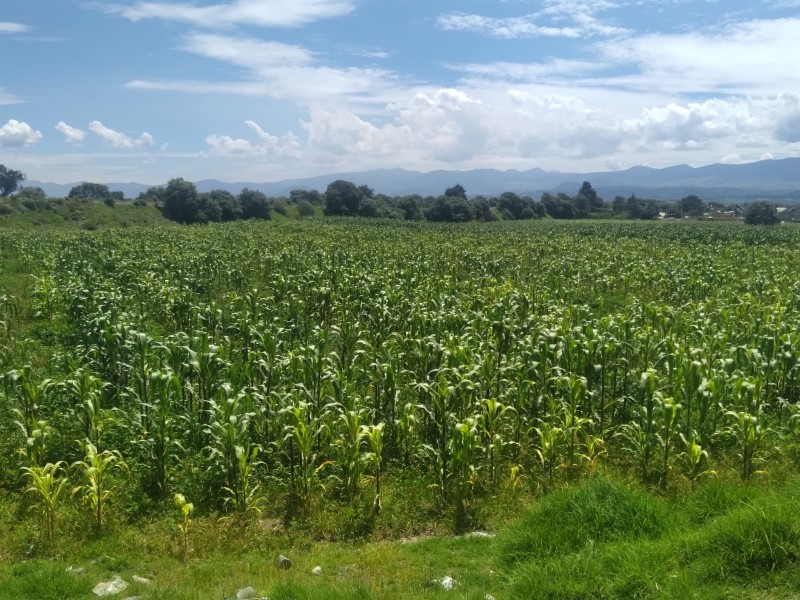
{"x":254,"y":204}
{"x":290,"y":366}
{"x":9,"y":180}
{"x":342,"y":198}
{"x":457,"y":191}
{"x":599,"y":510}
{"x":761,"y":213}
{"x":185,"y":508}
{"x":46,"y":485}
{"x":96,"y":471}
{"x":178,"y":201}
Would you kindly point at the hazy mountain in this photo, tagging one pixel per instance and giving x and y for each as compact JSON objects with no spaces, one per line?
{"x":777,"y":179}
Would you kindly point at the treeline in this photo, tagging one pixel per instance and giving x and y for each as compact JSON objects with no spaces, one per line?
{"x":180,"y":201}
{"x":344,"y":198}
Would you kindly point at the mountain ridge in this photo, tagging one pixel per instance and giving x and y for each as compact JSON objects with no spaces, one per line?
{"x":770,"y":179}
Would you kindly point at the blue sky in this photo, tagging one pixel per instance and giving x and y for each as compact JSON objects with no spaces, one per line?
{"x":262,"y":90}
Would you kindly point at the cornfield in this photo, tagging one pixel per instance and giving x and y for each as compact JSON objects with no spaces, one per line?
{"x":221,"y":362}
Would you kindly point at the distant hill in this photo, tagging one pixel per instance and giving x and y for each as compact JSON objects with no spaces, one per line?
{"x":770,"y":179}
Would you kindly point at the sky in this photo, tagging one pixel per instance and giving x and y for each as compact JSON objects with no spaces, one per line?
{"x":264,"y":90}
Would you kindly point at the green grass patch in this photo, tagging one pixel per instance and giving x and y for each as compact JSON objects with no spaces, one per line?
{"x":596,"y":511}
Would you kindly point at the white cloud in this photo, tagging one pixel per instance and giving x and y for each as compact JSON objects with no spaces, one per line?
{"x":8,"y":98}
{"x":545,"y":23}
{"x":751,"y":57}
{"x":731,"y":159}
{"x":275,"y":13}
{"x":282,"y":71}
{"x":508,"y":27}
{"x":7,"y":27}
{"x":71,"y":134}
{"x":118,"y":139}
{"x":542,"y":71}
{"x":451,"y":128}
{"x":17,"y":134}
{"x":268,"y":145}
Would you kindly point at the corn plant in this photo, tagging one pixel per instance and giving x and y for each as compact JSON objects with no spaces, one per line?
{"x":693,"y":459}
{"x":159,"y":440}
{"x":350,"y":452}
{"x":29,"y":395}
{"x":228,"y":431}
{"x":749,"y":435}
{"x":300,"y":433}
{"x":547,"y":451}
{"x":96,"y":470}
{"x":491,"y":424}
{"x":46,"y":484}
{"x":374,"y":435}
{"x":243,"y":496}
{"x":669,"y":415}
{"x":85,"y":393}
{"x":465,"y":443}
{"x":594,"y":450}
{"x":186,"y":508}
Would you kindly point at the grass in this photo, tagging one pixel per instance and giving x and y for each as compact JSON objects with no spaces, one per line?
{"x":88,"y":215}
{"x":724,"y":540}
{"x":601,"y":538}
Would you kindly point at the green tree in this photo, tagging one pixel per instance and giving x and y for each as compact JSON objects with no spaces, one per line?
{"x":342,"y":198}
{"x":594,"y":201}
{"x":310,"y":196}
{"x":9,"y":180}
{"x":90,"y":191}
{"x":453,"y":209}
{"x":255,"y":204}
{"x":761,"y":213}
{"x":457,"y":191}
{"x":179,"y":202}
{"x":410,"y":207}
{"x":229,"y":207}
{"x":692,"y":206}
{"x":560,"y":206}
{"x":208,"y":209}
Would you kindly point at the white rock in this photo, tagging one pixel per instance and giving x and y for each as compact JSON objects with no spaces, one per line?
{"x":140,"y":580}
{"x":109,"y":588}
{"x":316,"y":570}
{"x":448,"y":583}
{"x":76,"y":570}
{"x":246,"y":594}
{"x":480,"y":534}
{"x":488,"y":597}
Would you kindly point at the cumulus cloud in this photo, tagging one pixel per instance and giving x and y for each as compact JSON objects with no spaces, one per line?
{"x":452,"y":128}
{"x":18,"y":134}
{"x":118,"y":139}
{"x":268,"y":145}
{"x":71,"y":134}
{"x":276,"y":13}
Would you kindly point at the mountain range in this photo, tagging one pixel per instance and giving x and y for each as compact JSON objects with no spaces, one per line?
{"x":768,"y":179}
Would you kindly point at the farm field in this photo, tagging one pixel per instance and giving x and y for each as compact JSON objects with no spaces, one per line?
{"x":619,"y":402}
